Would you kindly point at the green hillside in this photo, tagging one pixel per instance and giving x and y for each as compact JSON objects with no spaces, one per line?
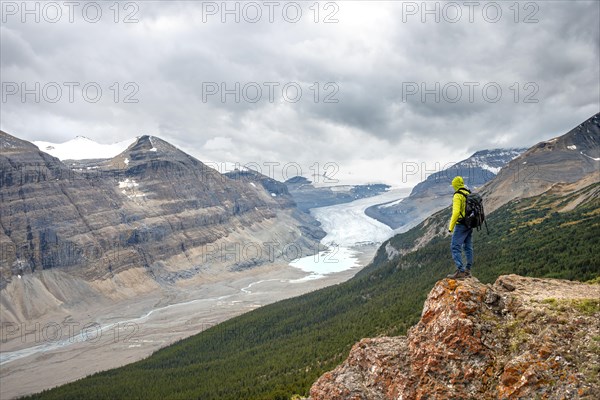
{"x":281,"y":349}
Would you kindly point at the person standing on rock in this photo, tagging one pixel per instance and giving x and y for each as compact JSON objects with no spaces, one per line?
{"x":462,"y":236}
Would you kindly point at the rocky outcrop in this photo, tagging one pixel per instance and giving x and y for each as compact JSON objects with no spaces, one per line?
{"x":521,"y":338}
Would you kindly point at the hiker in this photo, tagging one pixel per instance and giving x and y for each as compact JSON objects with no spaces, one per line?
{"x":462,"y":236}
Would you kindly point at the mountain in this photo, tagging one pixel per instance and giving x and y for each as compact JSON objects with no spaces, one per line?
{"x":307,"y":196}
{"x":282,"y":349}
{"x":434,"y":193}
{"x":569,"y":162}
{"x":518,"y":338}
{"x":280,"y":192}
{"x":83,"y":148}
{"x":151,"y":217}
{"x":566,"y":159}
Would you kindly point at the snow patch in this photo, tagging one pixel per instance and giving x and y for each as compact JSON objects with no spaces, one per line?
{"x":128,"y":184}
{"x":152,"y":143}
{"x":273,"y":194}
{"x":225,"y":167}
{"x":572,"y":147}
{"x":341,"y":188}
{"x":126,"y":161}
{"x":593,"y":158}
{"x":490,"y":160}
{"x":493,"y":170}
{"x":252,"y":183}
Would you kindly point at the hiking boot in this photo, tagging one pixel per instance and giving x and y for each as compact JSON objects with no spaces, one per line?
{"x":468,"y":273}
{"x":458,"y":275}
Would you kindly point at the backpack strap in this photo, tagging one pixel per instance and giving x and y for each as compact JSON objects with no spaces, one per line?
{"x":459,"y":191}
{"x":462,"y":191}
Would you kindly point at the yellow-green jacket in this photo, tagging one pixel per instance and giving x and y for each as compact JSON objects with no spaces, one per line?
{"x":459,"y":202}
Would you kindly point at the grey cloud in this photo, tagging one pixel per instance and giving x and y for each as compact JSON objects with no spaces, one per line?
{"x":369,"y":54}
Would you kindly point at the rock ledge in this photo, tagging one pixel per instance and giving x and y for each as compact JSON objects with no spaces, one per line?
{"x":521,"y":338}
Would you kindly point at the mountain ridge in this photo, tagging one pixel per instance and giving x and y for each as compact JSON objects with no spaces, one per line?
{"x":160,"y":214}
{"x":431,"y":194}
{"x":566,"y":158}
{"x":530,"y":174}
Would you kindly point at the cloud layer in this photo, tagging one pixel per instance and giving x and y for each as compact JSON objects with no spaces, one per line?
{"x":365,"y":85}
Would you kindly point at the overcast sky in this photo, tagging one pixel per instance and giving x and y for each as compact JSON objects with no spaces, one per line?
{"x":358,"y":88}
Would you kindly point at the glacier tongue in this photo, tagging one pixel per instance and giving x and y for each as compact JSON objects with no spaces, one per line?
{"x":348,"y":225}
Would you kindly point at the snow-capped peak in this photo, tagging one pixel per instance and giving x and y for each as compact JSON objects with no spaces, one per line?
{"x":83,"y":148}
{"x":490,"y":160}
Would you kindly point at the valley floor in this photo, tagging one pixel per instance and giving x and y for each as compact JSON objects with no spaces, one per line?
{"x":134,"y":329}
{"x":121,"y":332}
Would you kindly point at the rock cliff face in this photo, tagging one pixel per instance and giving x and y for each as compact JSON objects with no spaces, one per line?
{"x":521,"y":338}
{"x":567,"y":159}
{"x":152,"y":208}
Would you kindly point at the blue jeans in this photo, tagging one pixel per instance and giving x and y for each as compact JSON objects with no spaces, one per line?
{"x":462,"y":237}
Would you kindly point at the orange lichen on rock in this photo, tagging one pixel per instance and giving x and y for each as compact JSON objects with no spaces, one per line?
{"x":476,"y":341}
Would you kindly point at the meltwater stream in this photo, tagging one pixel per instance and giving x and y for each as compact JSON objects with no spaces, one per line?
{"x":93,"y":330}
